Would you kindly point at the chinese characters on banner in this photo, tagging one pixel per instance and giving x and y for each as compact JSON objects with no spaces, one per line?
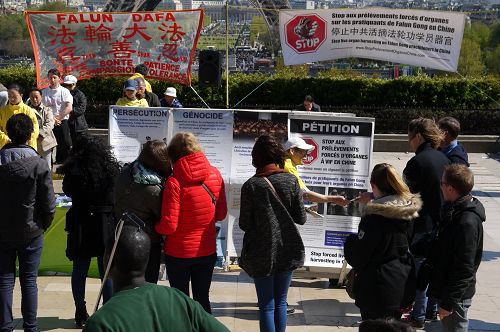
{"x":415,"y":37}
{"x":112,"y":44}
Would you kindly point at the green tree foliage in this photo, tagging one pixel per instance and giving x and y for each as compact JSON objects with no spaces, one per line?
{"x":493,"y":61}
{"x":56,"y":6}
{"x":470,"y":63}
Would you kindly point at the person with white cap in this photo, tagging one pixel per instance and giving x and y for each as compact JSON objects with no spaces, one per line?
{"x":77,"y":122}
{"x":296,"y":149}
{"x":170,"y":98}
{"x":130,"y":95}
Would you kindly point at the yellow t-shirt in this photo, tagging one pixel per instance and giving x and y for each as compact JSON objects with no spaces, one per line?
{"x":7,"y":112}
{"x":290,"y":168}
{"x":124,"y":101}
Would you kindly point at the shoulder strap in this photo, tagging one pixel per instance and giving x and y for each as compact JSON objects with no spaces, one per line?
{"x":214,"y":200}
{"x":277,"y":196}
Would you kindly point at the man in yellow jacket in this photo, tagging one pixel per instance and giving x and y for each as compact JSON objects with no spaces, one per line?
{"x":15,"y":105}
{"x":140,"y":72}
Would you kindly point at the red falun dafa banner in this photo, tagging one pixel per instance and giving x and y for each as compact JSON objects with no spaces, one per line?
{"x":112,"y":44}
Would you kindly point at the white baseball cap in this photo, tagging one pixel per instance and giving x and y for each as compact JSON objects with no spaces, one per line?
{"x":297,"y":142}
{"x":70,"y":79}
{"x":171,"y":92}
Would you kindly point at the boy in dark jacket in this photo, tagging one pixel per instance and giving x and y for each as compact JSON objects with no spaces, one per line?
{"x":450,"y":146}
{"x":457,"y":253}
{"x":28,"y":206}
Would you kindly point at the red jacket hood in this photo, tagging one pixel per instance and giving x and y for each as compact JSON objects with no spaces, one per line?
{"x":192,"y":168}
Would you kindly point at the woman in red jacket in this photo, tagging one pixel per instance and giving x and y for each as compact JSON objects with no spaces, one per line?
{"x":193,"y":200}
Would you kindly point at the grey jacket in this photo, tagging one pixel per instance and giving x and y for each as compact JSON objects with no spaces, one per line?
{"x":272,"y":243}
{"x":46,"y":139}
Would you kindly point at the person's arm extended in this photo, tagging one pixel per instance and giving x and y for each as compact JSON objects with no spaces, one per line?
{"x":170,"y":208}
{"x":320,"y":198}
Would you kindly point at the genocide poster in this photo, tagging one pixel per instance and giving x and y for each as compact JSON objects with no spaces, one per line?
{"x":423,"y":38}
{"x":112,"y":44}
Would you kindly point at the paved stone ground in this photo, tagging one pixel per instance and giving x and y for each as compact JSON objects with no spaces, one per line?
{"x":318,"y":308}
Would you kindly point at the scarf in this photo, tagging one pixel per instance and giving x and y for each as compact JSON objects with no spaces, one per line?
{"x":269,"y":169}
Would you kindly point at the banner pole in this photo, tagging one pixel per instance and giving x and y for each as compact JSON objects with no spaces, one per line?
{"x":227,"y":54}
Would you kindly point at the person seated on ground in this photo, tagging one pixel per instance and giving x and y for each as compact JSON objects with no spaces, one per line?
{"x":170,"y":98}
{"x":141,"y":71}
{"x":450,"y":146}
{"x":141,"y":306}
{"x":308,"y":105}
{"x":142,"y":93}
{"x":296,"y":149}
{"x":129,"y":96}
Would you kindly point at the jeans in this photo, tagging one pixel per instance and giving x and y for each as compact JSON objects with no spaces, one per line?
{"x":29,"y":254}
{"x":271,"y":296}
{"x":422,"y":303}
{"x":78,"y":278}
{"x":457,"y":321}
{"x":198,"y":270}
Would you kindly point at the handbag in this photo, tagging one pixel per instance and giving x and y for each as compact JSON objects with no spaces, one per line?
{"x":350,"y":280}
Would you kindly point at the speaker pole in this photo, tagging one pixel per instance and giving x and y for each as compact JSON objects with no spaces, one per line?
{"x":227,"y":54}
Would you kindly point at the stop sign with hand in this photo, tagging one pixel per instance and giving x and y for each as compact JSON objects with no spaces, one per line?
{"x":305,"y":33}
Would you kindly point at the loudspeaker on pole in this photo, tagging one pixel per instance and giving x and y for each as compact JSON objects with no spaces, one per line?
{"x":210,"y":68}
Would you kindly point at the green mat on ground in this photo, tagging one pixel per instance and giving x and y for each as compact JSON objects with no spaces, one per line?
{"x":53,"y":255}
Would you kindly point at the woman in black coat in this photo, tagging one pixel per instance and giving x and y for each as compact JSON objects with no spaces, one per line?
{"x":89,"y":177}
{"x":385,"y":272}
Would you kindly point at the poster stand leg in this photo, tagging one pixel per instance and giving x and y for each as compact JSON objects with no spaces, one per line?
{"x":227,"y":260}
{"x":343,"y":273}
{"x":110,"y":261}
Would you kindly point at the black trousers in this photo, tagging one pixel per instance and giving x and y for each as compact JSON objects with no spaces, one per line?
{"x":198,"y":270}
{"x":153,"y":267}
{"x":63,"y":138}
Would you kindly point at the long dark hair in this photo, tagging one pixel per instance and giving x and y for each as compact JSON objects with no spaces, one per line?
{"x":94,"y":161}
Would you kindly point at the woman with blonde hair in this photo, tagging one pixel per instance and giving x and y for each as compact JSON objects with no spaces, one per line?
{"x":193,"y":200}
{"x":385,"y":272}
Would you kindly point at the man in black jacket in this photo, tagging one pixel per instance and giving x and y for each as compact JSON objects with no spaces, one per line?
{"x":451,"y":147}
{"x":28,"y":206}
{"x":151,"y":97}
{"x":457,"y":252}
{"x":77,"y":122}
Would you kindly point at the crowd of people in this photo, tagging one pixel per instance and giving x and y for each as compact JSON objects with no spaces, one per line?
{"x":416,"y":253}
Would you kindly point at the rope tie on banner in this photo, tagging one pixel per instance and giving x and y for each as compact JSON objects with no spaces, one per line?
{"x":481,"y":90}
{"x":270,"y":76}
{"x":199,"y":96}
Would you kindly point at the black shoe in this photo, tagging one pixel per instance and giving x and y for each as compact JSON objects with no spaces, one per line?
{"x":81,"y":316}
{"x":431,"y":316}
{"x":418,"y":324}
{"x":289,"y":309}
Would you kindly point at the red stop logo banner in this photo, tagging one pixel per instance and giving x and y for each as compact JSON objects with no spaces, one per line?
{"x":305,"y":33}
{"x":311,"y":155}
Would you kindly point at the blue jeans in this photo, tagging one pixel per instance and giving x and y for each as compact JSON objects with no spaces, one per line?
{"x":271,"y":295}
{"x":79,"y":276}
{"x":29,"y":254}
{"x":198,"y":270}
{"x":457,"y":321}
{"x":422,"y":303}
